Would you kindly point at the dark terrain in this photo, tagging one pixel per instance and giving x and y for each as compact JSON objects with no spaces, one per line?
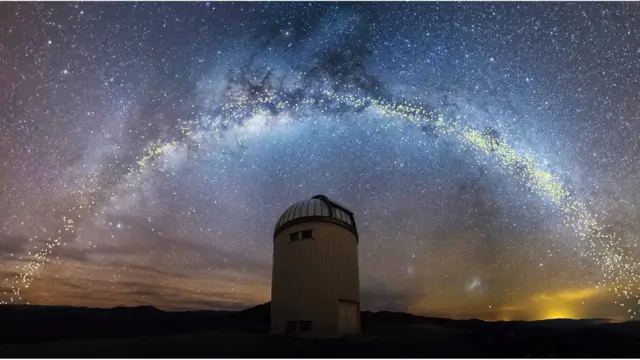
{"x":39,"y":331}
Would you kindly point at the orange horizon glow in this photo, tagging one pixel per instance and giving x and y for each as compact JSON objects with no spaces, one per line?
{"x":566,"y":304}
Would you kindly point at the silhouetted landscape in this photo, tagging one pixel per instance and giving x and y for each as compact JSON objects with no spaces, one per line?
{"x":39,"y":331}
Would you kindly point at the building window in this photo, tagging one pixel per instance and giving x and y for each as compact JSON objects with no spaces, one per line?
{"x":301,"y":235}
{"x":306,"y":325}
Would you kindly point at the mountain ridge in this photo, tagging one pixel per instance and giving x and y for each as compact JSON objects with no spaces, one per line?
{"x":262,"y":310}
{"x":88,"y":332}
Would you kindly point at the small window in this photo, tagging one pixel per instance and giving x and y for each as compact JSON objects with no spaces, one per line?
{"x":306,"y":325}
{"x":307,"y":234}
{"x":294,"y":236}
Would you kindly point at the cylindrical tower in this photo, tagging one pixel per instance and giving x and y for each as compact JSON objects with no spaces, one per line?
{"x":315,"y":287}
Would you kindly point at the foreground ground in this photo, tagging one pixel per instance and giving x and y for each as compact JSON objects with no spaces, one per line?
{"x":149,"y":332}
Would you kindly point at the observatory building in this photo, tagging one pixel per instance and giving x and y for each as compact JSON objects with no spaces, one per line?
{"x":315,"y":288}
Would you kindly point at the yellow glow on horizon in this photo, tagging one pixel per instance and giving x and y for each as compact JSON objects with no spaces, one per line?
{"x":558,"y":313}
{"x":618,"y":268}
{"x":563,"y":304}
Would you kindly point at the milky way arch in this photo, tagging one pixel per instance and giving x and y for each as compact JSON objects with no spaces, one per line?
{"x":263,"y":108}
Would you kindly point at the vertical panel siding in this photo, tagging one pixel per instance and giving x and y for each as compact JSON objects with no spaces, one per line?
{"x":309,"y":276}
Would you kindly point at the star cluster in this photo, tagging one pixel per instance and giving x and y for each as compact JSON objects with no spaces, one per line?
{"x":490,"y":152}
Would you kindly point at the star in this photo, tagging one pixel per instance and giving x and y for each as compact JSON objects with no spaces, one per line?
{"x":489,"y":153}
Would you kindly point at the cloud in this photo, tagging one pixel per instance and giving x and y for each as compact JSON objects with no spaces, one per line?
{"x":380,"y":296}
{"x":144,"y":267}
{"x":136,"y":287}
{"x":569,"y":295}
{"x":12,"y":246}
{"x":141,"y":241}
{"x":147,"y":249}
{"x":16,"y":248}
{"x":160,"y":270}
{"x":70,"y":252}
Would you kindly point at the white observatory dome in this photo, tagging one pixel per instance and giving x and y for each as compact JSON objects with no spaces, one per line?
{"x":315,"y":284}
{"x":316,"y":209}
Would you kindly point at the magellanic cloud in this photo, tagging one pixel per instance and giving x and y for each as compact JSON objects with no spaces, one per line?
{"x":147,"y":150}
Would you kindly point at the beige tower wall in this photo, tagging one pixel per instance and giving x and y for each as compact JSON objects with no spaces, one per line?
{"x":311,"y":276}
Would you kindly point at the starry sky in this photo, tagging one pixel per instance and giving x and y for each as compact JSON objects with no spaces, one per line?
{"x":148,"y":149}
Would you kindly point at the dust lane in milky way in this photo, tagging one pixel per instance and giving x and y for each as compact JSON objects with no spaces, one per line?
{"x":143,"y":165}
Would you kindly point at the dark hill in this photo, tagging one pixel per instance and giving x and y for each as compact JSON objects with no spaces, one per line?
{"x":37,"y":331}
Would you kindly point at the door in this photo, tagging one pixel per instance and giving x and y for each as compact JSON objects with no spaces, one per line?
{"x":348,"y":316}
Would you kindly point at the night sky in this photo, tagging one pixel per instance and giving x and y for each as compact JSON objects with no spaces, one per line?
{"x":490,"y":152}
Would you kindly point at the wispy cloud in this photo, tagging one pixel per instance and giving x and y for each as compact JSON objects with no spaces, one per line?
{"x":569,"y":295}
